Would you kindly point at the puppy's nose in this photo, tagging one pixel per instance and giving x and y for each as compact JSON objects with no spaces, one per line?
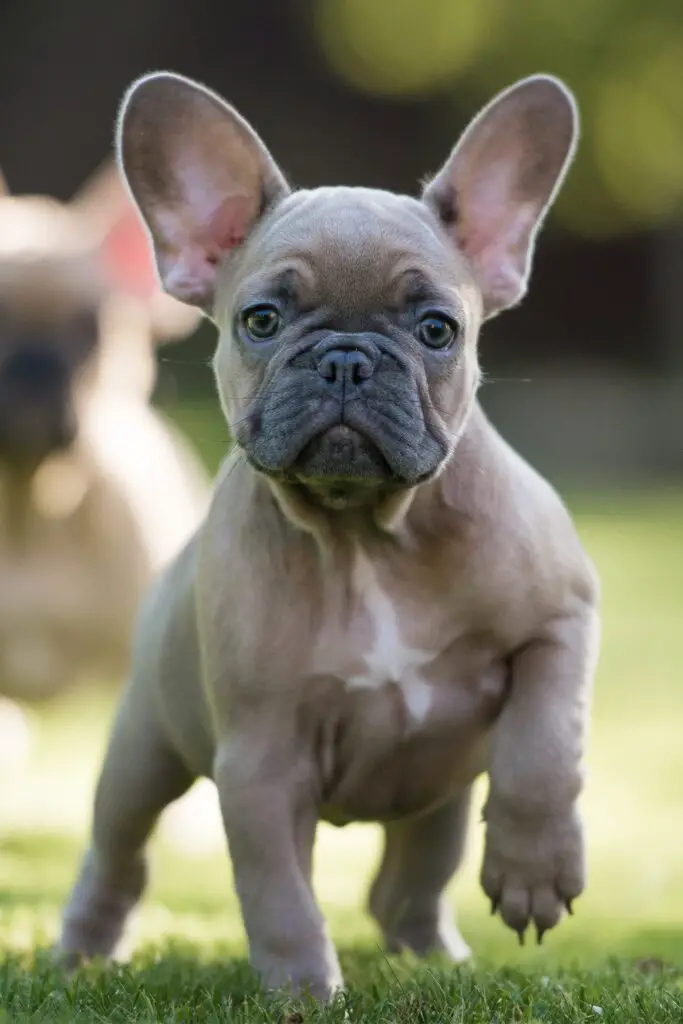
{"x":341,"y":365}
{"x":34,"y":369}
{"x":347,"y":361}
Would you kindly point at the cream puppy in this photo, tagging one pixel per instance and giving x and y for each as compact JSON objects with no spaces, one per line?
{"x":97,"y":491}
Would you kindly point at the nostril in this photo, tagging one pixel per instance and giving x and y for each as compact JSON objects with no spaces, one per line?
{"x":331,"y":366}
{"x":359,"y":367}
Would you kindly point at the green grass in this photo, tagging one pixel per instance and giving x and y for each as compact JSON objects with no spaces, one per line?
{"x":620,"y":958}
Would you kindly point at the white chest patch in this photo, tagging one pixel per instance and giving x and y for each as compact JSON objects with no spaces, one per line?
{"x":390,"y":659}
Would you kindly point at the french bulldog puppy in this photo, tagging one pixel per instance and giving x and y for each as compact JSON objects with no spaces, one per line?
{"x":384,"y":600}
{"x":96,"y":491}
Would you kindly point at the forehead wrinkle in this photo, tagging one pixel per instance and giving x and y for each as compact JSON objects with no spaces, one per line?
{"x":360,"y":274}
{"x":348,"y":247}
{"x":414,"y":283}
{"x":278,"y":276}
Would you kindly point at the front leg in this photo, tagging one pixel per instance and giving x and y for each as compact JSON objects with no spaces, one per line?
{"x":270,"y":822}
{"x":534,"y":864}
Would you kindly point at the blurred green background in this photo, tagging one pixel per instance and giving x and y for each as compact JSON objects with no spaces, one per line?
{"x":586,"y":378}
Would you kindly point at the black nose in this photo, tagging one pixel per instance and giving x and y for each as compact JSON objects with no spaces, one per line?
{"x":34,"y":369}
{"x":347,"y":361}
{"x":340,"y":365}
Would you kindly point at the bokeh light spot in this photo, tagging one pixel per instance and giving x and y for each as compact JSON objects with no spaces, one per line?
{"x":400,"y":47}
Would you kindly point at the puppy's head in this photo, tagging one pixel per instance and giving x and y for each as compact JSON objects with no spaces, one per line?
{"x":77,"y":312}
{"x":348,"y":317}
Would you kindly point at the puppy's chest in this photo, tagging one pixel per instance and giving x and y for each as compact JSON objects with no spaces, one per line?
{"x":403,"y":646}
{"x":406,"y":694}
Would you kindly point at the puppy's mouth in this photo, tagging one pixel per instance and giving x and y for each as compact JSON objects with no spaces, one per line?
{"x":352,"y":453}
{"x":341,"y":467}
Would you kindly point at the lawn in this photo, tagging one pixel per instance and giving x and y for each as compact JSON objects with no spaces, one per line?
{"x":620,"y":958}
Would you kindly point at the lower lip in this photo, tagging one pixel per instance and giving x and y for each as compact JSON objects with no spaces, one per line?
{"x":341,"y":432}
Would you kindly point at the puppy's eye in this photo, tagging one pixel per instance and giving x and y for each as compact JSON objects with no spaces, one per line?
{"x":262,"y":322}
{"x":436,"y":331}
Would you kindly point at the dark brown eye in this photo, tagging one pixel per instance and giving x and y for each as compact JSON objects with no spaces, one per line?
{"x":262,"y":322}
{"x":437,"y":331}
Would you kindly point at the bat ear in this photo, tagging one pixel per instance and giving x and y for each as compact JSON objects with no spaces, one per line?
{"x":200,"y":175}
{"x":110,"y":216}
{"x":495,"y":189}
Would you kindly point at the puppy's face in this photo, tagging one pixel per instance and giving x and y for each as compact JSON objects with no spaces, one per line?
{"x":49,"y":298}
{"x":71,"y":324}
{"x":348,"y":318}
{"x":347,"y":349}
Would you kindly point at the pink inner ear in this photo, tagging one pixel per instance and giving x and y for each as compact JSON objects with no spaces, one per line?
{"x":490,"y":212}
{"x":128,"y":256}
{"x":196,"y":241}
{"x":227,"y":227}
{"x":496,"y":237}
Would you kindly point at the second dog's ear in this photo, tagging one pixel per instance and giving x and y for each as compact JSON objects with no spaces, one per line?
{"x":200,"y":176}
{"x":110,"y":219}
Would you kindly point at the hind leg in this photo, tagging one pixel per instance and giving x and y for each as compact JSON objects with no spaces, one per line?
{"x":407,"y":897}
{"x":141,"y":775}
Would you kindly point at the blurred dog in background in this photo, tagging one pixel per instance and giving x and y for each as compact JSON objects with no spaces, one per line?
{"x":97,"y":492}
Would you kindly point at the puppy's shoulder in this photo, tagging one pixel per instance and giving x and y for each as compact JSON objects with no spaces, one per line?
{"x":521,"y":522}
{"x":167,"y":615}
{"x":244,"y":524}
{"x":548,"y":536}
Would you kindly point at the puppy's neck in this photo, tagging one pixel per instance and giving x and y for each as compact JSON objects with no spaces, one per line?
{"x":438,"y":506}
{"x":324,"y":519}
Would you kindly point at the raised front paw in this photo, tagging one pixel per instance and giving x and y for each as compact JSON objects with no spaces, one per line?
{"x":533,"y":867}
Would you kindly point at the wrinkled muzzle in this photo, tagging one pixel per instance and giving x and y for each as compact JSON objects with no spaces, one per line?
{"x":348,"y":410}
